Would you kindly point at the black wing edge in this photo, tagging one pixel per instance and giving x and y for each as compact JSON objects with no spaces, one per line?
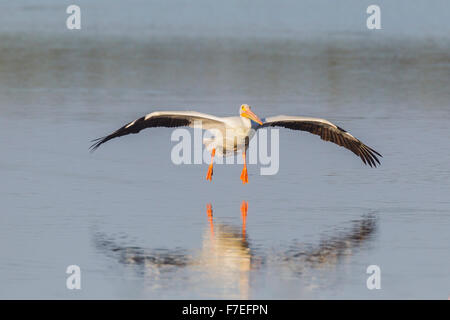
{"x":367,"y":154}
{"x":140,"y":124}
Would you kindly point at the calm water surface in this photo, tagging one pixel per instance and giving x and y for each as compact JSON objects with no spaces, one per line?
{"x":139,"y":226}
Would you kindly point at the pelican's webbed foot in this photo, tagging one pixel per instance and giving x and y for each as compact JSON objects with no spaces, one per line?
{"x":209,"y":174}
{"x":244,"y":175}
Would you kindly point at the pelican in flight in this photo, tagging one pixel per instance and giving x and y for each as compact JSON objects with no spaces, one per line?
{"x":232,"y":134}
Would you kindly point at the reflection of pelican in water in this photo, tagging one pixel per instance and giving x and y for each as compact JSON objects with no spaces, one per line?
{"x":225,"y":255}
{"x":226,"y":258}
{"x":332,"y":249}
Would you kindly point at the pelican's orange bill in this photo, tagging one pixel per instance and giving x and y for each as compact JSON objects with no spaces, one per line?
{"x":249,"y":114}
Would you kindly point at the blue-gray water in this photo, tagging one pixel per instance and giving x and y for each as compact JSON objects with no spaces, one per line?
{"x":137,"y":224}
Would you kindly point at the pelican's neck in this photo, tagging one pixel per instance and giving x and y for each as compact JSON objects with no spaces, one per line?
{"x":247,"y":122}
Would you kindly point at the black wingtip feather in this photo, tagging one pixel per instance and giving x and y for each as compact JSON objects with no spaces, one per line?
{"x":140,"y":124}
{"x":372,"y":155}
{"x":328,"y":133}
{"x":98,"y":142}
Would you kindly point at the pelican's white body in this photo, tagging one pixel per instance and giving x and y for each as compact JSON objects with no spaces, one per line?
{"x":227,"y":135}
{"x":232,"y":137}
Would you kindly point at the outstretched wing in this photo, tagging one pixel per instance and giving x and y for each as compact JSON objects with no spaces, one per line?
{"x":163,"y":119}
{"x":328,"y":132}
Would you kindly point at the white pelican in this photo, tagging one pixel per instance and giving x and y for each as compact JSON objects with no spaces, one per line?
{"x":232,"y":134}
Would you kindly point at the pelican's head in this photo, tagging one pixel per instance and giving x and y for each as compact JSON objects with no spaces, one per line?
{"x":246,"y":112}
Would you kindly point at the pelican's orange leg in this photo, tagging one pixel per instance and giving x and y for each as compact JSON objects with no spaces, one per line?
{"x":210,"y":168}
{"x":244,"y":209}
{"x":244,"y":174}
